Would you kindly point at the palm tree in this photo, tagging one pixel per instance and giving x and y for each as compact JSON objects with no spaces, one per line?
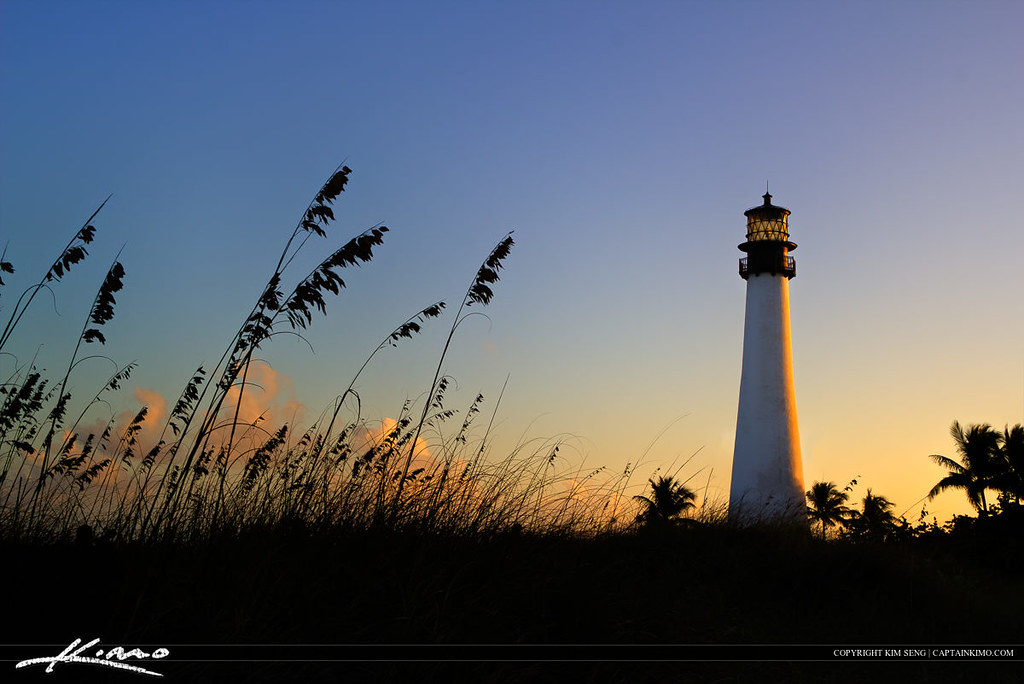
{"x":668,"y":501}
{"x":1010,"y":459}
{"x":978,"y":448}
{"x":875,"y":516}
{"x":827,"y":505}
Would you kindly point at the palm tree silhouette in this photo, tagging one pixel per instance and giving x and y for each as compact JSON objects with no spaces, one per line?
{"x":1010,"y":464}
{"x":668,"y":501}
{"x":875,"y":517}
{"x":827,"y":505}
{"x":978,"y":448}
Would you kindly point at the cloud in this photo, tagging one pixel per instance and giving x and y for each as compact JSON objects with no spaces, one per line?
{"x":268,"y":393}
{"x":368,"y":437}
{"x":156,"y":416}
{"x":618,"y":508}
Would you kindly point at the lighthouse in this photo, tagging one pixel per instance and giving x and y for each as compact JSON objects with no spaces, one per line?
{"x":767,"y":475}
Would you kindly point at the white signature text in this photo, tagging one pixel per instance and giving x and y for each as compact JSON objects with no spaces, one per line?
{"x":113,"y":657}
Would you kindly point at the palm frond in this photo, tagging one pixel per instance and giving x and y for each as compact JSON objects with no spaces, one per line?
{"x":947,"y":463}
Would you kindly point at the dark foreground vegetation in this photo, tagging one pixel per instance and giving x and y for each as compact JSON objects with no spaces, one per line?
{"x":699,"y":585}
{"x":665,"y":586}
{"x":222,"y":531}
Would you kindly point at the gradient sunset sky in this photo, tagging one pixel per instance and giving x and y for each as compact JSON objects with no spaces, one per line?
{"x":622,"y":142}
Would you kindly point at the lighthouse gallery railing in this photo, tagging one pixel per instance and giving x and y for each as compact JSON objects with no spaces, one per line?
{"x":785,"y":265}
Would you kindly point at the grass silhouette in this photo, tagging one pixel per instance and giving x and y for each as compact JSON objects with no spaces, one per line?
{"x":210,"y":474}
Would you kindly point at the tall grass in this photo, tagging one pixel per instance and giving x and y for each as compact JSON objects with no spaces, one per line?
{"x":209,"y":473}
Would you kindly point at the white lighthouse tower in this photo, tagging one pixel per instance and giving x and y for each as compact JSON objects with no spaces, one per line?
{"x":767,"y":475}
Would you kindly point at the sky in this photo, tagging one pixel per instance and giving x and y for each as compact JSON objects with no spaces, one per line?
{"x":620,"y":141}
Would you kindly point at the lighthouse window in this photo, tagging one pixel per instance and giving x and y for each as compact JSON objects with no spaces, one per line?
{"x":767,"y":229}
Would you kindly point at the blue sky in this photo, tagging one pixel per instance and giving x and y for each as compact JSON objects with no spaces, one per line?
{"x":622,"y":142}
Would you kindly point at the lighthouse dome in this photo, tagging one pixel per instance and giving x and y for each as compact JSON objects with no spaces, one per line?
{"x":767,"y":222}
